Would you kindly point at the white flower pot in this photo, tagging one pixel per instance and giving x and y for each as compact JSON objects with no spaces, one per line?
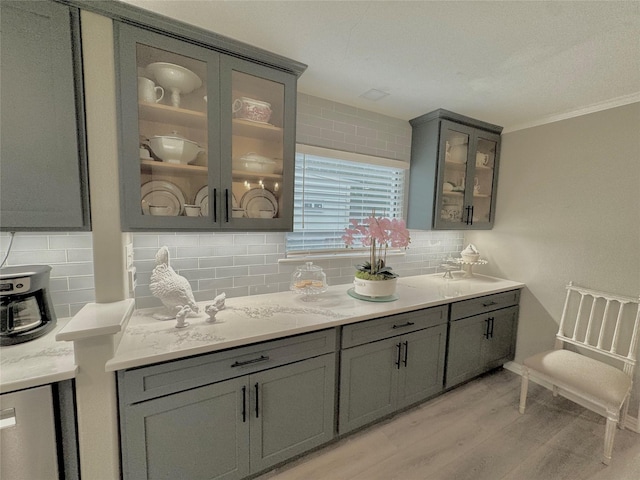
{"x":375,"y":288}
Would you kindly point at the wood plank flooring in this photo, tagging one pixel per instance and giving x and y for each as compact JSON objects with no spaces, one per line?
{"x":476,"y":433}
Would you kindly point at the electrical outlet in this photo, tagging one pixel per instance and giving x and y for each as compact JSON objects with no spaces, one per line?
{"x":133,"y":277}
{"x":129,"y":254}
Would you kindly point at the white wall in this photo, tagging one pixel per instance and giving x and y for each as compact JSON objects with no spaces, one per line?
{"x":568,"y":209}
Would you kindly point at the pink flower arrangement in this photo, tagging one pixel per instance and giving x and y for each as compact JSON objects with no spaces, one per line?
{"x":378,"y":234}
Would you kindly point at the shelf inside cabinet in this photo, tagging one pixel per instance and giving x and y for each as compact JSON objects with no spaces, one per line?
{"x":168,"y":114}
{"x":450,"y":163}
{"x":482,"y":168}
{"x":454,"y":194}
{"x":247,"y":175}
{"x":172,"y":168}
{"x":247,"y":128}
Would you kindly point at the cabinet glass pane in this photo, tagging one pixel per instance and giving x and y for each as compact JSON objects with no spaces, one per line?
{"x":483,"y":179}
{"x":257,"y":146}
{"x":172,"y":106}
{"x":455,"y":165}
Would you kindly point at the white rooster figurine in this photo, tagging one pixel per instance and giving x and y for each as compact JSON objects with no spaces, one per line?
{"x":172,"y":289}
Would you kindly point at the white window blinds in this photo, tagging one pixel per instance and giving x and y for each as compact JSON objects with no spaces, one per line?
{"x":333,"y":187}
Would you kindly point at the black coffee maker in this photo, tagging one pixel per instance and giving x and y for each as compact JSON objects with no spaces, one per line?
{"x":26,"y":311}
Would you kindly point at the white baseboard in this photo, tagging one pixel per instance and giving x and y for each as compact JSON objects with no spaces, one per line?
{"x":631,"y":423}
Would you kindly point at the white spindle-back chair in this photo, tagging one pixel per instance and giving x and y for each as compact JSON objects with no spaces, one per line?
{"x":610,"y":330}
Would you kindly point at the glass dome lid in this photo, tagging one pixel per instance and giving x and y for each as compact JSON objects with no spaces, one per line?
{"x":308,"y":279}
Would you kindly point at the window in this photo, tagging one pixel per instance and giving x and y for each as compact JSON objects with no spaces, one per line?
{"x":332,"y":187}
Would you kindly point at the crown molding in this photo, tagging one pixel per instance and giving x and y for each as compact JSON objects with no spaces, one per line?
{"x":593,"y":108}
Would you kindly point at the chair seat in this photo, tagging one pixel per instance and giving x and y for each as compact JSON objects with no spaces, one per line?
{"x":594,"y":378}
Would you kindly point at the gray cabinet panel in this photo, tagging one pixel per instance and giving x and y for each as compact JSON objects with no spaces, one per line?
{"x":43,"y":185}
{"x":381,"y":377}
{"x":372,"y":330}
{"x":464,"y":357}
{"x":229,"y":429}
{"x":488,"y":303}
{"x":156,"y":380}
{"x":479,"y":343}
{"x":423,"y":362}
{"x":501,"y":346}
{"x":292,"y":410}
{"x":368,"y":383}
{"x":197,"y":434}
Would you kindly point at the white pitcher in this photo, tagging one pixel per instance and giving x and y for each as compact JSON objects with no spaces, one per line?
{"x":148,"y":92}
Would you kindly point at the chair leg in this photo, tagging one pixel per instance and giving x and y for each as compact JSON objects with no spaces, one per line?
{"x":523,"y":389}
{"x":609,"y":434}
{"x":625,"y":410}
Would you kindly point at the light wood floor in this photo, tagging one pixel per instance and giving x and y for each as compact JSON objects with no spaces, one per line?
{"x":475,"y":432}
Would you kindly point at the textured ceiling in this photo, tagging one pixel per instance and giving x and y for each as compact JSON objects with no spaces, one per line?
{"x":509,"y":63}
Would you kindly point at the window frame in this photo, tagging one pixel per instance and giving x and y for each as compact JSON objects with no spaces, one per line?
{"x":332,"y":253}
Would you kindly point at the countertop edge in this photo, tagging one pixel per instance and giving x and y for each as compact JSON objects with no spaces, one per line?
{"x":96,"y":319}
{"x":38,"y":381}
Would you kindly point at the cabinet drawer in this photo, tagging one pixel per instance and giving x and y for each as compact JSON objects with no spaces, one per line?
{"x":144,"y":383}
{"x":385,"y":327}
{"x":480,"y":305}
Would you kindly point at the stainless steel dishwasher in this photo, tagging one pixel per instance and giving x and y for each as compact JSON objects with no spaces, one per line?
{"x":28,"y":435}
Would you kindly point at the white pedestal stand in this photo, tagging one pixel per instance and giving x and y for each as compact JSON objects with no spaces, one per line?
{"x":467,"y":267}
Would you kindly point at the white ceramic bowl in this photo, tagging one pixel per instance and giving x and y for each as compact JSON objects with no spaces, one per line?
{"x":252,"y":162}
{"x":174,"y":149}
{"x":158,"y":210}
{"x":173,"y":76}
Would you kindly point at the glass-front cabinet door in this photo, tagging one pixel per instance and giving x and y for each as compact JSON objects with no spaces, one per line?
{"x":169,"y":136}
{"x":207,"y":139}
{"x":485,"y":160}
{"x":455,"y":143}
{"x":258,"y":147}
{"x":466,"y":177}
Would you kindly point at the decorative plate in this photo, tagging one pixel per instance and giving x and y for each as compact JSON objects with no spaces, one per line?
{"x":160,"y":192}
{"x":259,"y":200}
{"x":202,"y":199}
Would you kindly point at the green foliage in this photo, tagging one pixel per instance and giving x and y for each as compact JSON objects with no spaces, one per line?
{"x":365,"y":272}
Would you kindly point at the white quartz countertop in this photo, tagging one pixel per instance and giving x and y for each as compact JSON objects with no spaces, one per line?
{"x":247,"y":320}
{"x":37,"y":362}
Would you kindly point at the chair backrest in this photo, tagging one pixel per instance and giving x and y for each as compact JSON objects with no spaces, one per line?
{"x":604,"y":323}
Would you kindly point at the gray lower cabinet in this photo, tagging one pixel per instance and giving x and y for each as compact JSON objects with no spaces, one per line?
{"x":43,"y":185}
{"x":231,"y":428}
{"x":479,"y":343}
{"x":386,"y":375}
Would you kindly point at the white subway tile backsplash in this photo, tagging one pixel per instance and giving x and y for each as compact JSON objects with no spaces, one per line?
{"x":249,"y":260}
{"x":215,"y":239}
{"x":70,"y":241}
{"x":224,"y":261}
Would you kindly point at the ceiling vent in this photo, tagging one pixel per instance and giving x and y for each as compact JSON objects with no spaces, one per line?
{"x":374,"y":94}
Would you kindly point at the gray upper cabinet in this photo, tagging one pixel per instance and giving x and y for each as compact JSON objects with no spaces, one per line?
{"x":454,"y":172}
{"x":207,"y":140}
{"x":43,"y":185}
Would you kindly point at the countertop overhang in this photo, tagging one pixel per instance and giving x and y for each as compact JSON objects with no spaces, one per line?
{"x":38,"y":362}
{"x":254,"y":319}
